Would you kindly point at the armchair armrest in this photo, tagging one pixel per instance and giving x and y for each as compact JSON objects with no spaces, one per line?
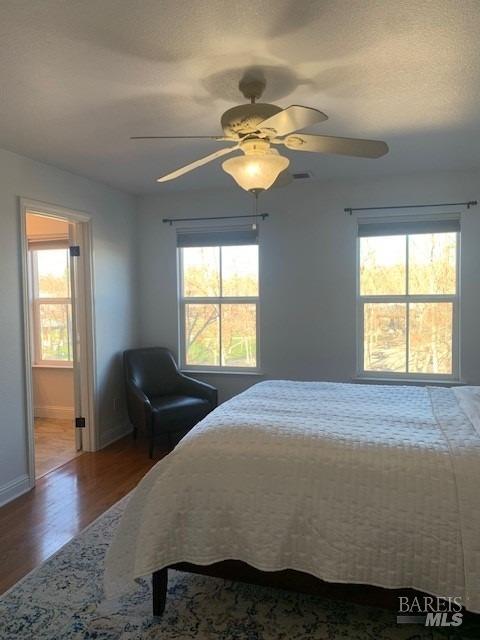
{"x":139,"y":407}
{"x":197,"y":389}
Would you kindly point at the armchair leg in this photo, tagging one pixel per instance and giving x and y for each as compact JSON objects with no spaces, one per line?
{"x":135,"y":432}
{"x":150,"y":450}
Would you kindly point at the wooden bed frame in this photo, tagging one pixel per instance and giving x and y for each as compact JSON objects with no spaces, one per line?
{"x":297,"y":581}
{"x":288,"y":579}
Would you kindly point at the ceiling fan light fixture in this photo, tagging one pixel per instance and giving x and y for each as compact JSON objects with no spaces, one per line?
{"x":254,"y":127}
{"x":256,"y":171}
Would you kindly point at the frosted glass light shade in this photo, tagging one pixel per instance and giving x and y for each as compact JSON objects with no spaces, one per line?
{"x":256,"y":170}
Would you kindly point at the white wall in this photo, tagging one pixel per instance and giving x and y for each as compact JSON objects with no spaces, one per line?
{"x":114,"y":248}
{"x":53,"y":392}
{"x":307,"y":270}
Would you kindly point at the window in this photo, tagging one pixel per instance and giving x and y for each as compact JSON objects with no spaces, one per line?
{"x":52,"y":308}
{"x":219,"y":305}
{"x":408,"y":299}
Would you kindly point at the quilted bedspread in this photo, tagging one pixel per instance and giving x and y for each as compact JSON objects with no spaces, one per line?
{"x":348,"y":482}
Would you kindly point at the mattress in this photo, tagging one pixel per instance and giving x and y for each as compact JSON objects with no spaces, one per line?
{"x":350,"y":483}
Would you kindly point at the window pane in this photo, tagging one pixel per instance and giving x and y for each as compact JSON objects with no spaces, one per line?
{"x":239,"y":335}
{"x":432,"y":260}
{"x":384,"y":337}
{"x":53,"y":273}
{"x":201,"y":272}
{"x":382,"y":265}
{"x":55,"y":331}
{"x":430,"y":337}
{"x":202,"y":343}
{"x":240,"y":271}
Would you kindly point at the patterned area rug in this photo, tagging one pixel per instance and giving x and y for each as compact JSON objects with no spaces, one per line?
{"x":62,"y":599}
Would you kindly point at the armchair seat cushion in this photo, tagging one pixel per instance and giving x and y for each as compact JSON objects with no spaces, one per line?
{"x":174,"y":412}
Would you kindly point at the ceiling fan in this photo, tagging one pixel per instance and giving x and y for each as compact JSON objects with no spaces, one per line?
{"x":256,"y":127}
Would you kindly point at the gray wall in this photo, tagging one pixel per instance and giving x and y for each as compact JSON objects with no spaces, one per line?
{"x":307,"y":280}
{"x":115,"y":306}
{"x":307,"y":270}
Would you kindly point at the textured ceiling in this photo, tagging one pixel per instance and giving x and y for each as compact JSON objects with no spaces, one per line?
{"x":78,"y":77}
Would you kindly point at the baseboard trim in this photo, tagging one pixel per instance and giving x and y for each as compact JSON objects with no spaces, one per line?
{"x":114,"y":433}
{"x":14,"y":489}
{"x":56,"y":413}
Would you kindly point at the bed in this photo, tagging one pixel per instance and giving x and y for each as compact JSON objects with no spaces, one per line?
{"x":323,"y":482}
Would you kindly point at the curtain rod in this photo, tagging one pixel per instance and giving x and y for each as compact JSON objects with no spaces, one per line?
{"x":468,"y":204}
{"x":170,"y":221}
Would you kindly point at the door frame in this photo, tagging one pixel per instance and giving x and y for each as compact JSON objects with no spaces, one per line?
{"x":86,"y":327}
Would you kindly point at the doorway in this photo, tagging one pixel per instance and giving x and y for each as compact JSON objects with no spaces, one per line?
{"x":58,"y":336}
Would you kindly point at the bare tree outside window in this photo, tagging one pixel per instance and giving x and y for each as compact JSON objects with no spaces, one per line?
{"x":218,"y":306}
{"x":407,"y":297}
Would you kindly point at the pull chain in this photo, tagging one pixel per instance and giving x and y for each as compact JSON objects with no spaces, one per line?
{"x":255,"y":210}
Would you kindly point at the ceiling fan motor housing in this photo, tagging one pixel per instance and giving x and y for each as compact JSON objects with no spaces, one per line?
{"x":244,"y":120}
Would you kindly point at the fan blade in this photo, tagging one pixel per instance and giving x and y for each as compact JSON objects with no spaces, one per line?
{"x":293,"y":118}
{"x":332,"y":144}
{"x":196,"y":164}
{"x":180,"y":138}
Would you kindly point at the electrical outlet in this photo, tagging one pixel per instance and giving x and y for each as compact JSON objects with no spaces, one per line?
{"x":116,"y":404}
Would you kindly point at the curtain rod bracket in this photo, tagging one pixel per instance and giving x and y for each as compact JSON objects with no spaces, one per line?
{"x":468,"y":204}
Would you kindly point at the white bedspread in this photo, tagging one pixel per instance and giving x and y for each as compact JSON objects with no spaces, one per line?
{"x":351,"y":483}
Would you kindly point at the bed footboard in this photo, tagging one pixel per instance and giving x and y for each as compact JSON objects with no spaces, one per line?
{"x":159,"y":591}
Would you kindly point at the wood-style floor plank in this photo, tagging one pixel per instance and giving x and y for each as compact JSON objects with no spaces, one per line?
{"x":54,"y":444}
{"x":64,"y":502}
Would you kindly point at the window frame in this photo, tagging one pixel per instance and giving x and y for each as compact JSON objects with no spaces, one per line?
{"x":37,"y":302}
{"x":407,"y":298}
{"x":219,"y":300}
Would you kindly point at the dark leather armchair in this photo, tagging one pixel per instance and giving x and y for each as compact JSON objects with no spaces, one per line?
{"x":161,"y":401}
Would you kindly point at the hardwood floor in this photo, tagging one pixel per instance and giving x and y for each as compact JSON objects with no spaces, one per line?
{"x":54,"y":444}
{"x":64,"y":502}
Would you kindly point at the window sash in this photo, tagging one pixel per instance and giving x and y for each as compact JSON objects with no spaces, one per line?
{"x":214,"y":300}
{"x":407,"y":299}
{"x":219,"y":366}
{"x":37,"y":304}
{"x":406,"y":374}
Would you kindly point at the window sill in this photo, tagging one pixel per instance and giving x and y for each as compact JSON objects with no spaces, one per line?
{"x":52,"y":366}
{"x":444,"y":382}
{"x":228,"y":372}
